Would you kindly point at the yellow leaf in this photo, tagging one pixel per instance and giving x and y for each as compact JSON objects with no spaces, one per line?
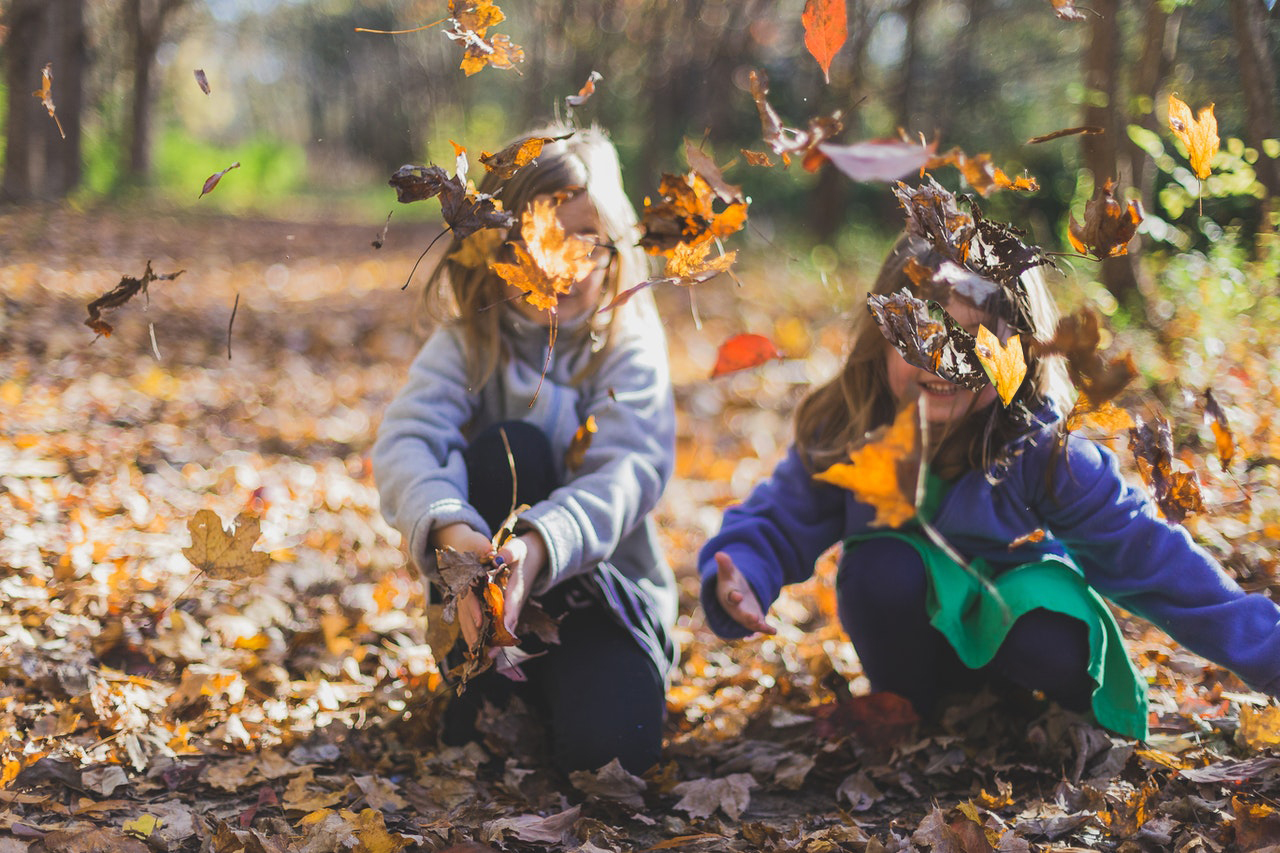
{"x":1005,"y":365}
{"x":223,"y":556}
{"x":1199,"y":134}
{"x":478,"y":248}
{"x":883,"y":471}
{"x":143,"y":825}
{"x":688,"y":261}
{"x":580,"y":444}
{"x":548,"y":263}
{"x":1259,"y":727}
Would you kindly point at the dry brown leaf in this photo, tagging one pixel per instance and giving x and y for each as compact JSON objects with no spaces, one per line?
{"x":222,"y":555}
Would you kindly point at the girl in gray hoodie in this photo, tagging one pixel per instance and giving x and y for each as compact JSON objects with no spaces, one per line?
{"x":501,"y":387}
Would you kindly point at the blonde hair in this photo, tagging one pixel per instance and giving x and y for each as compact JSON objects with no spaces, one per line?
{"x":576,"y":160}
{"x":836,"y":416}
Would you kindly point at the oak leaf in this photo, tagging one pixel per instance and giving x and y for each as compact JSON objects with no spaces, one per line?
{"x":1005,"y":365}
{"x":45,"y":94}
{"x":883,"y":470}
{"x":826,"y":28}
{"x":741,"y":352}
{"x":548,"y":263}
{"x":1108,"y":227}
{"x":221,"y":555}
{"x":1199,"y":134}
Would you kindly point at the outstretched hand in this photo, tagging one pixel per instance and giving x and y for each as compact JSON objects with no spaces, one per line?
{"x":738,"y":598}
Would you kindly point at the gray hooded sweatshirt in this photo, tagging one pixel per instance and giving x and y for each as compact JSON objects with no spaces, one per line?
{"x":597,"y":524}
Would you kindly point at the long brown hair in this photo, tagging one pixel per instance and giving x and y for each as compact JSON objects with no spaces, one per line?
{"x":576,"y":160}
{"x":836,"y":416}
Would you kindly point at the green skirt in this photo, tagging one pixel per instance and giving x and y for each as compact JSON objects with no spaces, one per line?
{"x":973,"y":620}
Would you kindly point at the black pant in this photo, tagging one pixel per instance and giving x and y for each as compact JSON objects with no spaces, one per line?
{"x":598,"y":691}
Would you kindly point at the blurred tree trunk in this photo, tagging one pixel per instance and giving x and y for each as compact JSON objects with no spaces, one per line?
{"x":39,"y":162}
{"x":144,"y":22}
{"x":905,"y":102}
{"x":1159,"y":49}
{"x":1258,"y":81}
{"x":1103,"y":108}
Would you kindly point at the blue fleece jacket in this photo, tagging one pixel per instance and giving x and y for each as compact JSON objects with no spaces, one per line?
{"x":1076,"y":494}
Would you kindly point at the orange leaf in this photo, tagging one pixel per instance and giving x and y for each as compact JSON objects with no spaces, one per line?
{"x":511,"y":159}
{"x":1199,"y":134}
{"x":548,"y":263}
{"x":1005,"y":365}
{"x":826,"y":27}
{"x":45,"y":94}
{"x":743,"y":351}
{"x":1108,"y":226}
{"x":580,"y":444}
{"x":584,"y":94}
{"x":496,"y":603}
{"x":1222,"y":435}
{"x":882,"y":472}
{"x":223,"y":556}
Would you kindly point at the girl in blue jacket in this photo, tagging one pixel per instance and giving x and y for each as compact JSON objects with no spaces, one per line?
{"x":494,"y":396}
{"x":923,"y":626}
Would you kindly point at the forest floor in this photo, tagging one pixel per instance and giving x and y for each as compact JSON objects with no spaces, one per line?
{"x":145,"y":707}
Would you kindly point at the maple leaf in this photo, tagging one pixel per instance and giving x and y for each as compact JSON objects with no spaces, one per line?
{"x":743,"y":351}
{"x":468,"y":23}
{"x":221,"y":555}
{"x":584,"y":94}
{"x":476,"y":250}
{"x":1222,"y":434}
{"x":45,"y":94}
{"x":581,"y":443}
{"x":464,"y":210}
{"x":1199,"y":134}
{"x":826,"y":28}
{"x":882,"y":471}
{"x":687,"y":265}
{"x":212,"y":181}
{"x":686,"y":213}
{"x":1108,"y":225}
{"x":788,"y":141}
{"x":202,"y":80}
{"x":1177,"y":493}
{"x":939,"y":346}
{"x":1005,"y":365}
{"x":547,"y":263}
{"x":879,"y":159}
{"x":515,"y":156}
{"x":120,"y":294}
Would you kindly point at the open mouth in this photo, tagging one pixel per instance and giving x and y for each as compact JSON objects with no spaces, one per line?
{"x":940,"y":389}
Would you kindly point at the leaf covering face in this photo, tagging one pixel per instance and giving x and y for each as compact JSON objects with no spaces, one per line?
{"x":882,"y":472}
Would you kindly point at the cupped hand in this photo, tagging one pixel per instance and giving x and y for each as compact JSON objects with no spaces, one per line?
{"x":465,"y":538}
{"x":737,"y":597}
{"x":526,"y":556}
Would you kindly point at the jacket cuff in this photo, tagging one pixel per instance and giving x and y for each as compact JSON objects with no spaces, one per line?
{"x":440,"y":514}
{"x":718,"y":619}
{"x":562,"y":537}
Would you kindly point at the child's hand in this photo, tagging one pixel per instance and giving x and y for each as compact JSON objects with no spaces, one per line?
{"x":463,"y":537}
{"x":526,"y":554}
{"x":738,"y":598}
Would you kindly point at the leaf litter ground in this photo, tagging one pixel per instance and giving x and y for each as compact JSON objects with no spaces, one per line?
{"x":144,"y":707}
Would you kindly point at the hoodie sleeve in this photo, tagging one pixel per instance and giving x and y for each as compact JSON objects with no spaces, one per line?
{"x":417,"y":456}
{"x":775,"y":537}
{"x":627,"y":465}
{"x":1154,"y":569}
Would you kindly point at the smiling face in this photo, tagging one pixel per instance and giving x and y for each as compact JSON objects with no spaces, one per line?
{"x":943,"y":401}
{"x":578,"y":218}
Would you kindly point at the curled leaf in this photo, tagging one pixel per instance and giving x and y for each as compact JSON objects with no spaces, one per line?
{"x":788,"y":141}
{"x":45,"y":94}
{"x":120,"y":294}
{"x":879,"y":159}
{"x":515,"y":156}
{"x":1222,"y":435}
{"x":1199,"y":134}
{"x":212,"y":181}
{"x":1177,"y":493}
{"x":743,"y":351}
{"x":584,"y":94}
{"x":202,"y":81}
{"x":883,"y":470}
{"x":1108,"y":226}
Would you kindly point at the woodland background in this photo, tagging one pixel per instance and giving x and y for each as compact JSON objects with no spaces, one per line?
{"x":145,"y":707}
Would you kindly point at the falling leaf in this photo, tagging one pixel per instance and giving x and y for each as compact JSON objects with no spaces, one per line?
{"x":584,"y":94}
{"x":686,"y":213}
{"x":221,"y":555}
{"x":1108,"y":226}
{"x":476,"y":250}
{"x":580,"y":443}
{"x":882,"y":471}
{"x":1005,"y":365}
{"x":826,"y":28}
{"x":980,"y":173}
{"x":382,"y":237}
{"x":468,"y":23}
{"x":1087,"y":129}
{"x":1099,"y":379}
{"x":934,"y":215}
{"x":1107,"y":419}
{"x":45,"y":94}
{"x":212,"y":181}
{"x":1036,"y":535}
{"x":515,"y":156}
{"x":548,"y":263}
{"x":1177,"y":493}
{"x":935,"y":345}
{"x":202,"y":81}
{"x":1222,"y":435}
{"x":788,"y":141}
{"x":120,"y":294}
{"x":757,"y":158}
{"x":464,"y":210}
{"x":707,"y":169}
{"x":1067,"y":11}
{"x":1199,"y":134}
{"x":743,"y":351}
{"x":879,"y":159}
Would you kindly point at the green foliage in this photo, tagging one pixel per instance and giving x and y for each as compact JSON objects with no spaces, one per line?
{"x":268,"y":170}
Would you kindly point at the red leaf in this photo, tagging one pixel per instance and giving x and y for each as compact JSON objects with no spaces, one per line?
{"x":743,"y":351}
{"x":826,"y":27}
{"x":212,"y":181}
{"x":202,"y":80}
